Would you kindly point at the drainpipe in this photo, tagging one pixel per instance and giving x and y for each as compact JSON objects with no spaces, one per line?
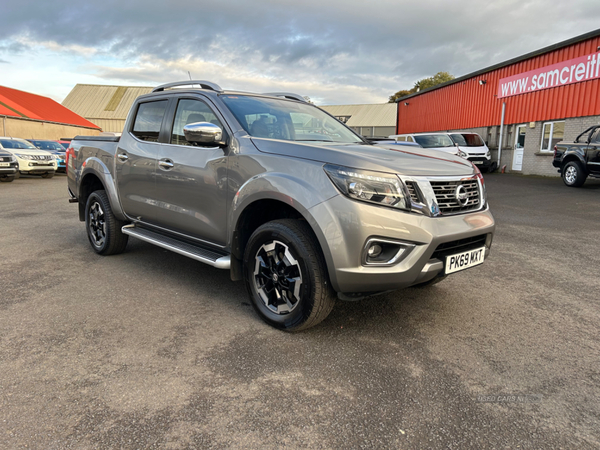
{"x":501,"y":130}
{"x":4,"y":126}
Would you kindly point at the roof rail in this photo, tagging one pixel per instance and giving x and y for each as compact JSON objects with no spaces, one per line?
{"x":203,"y":84}
{"x":287,"y":95}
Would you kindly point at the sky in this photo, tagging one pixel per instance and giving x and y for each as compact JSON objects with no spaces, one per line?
{"x":335,"y":52}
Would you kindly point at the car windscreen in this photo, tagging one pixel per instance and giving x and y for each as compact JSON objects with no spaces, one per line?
{"x":12,"y":143}
{"x":434,"y":140}
{"x":287,"y":120}
{"x":47,"y":145}
{"x":467,"y":139}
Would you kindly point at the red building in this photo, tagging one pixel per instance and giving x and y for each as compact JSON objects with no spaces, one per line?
{"x":529,"y":103}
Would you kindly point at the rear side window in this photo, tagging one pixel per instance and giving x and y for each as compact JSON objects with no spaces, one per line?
{"x":148,"y":120}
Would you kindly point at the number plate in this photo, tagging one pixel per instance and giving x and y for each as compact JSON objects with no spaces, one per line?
{"x":4,"y":164}
{"x":464,"y":260}
{"x":477,"y":162}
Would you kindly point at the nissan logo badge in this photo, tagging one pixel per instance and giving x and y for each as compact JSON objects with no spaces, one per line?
{"x":461,"y":195}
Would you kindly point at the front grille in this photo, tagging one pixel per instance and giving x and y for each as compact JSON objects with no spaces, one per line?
{"x":446,"y":195}
{"x":412,"y":190}
{"x":42,"y":157}
{"x":461,"y":245}
{"x":4,"y":158}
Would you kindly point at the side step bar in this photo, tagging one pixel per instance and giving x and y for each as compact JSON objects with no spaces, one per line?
{"x":210,"y":257}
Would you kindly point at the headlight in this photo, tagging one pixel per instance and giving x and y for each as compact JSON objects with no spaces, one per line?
{"x":18,"y":155}
{"x":461,"y":154}
{"x":380,"y":188}
{"x":488,"y":155}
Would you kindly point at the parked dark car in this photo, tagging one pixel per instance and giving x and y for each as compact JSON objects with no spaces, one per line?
{"x":56,"y":148}
{"x":9,"y":167}
{"x":578,"y":160}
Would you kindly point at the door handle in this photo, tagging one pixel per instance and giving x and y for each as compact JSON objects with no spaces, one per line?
{"x":166,"y":164}
{"x":122,"y":157}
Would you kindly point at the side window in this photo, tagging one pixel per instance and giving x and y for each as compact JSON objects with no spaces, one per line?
{"x":409,"y":139}
{"x":596,"y":137}
{"x":190,"y":111}
{"x":148,"y":119}
{"x":401,"y":139}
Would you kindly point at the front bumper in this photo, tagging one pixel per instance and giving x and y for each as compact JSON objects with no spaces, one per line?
{"x":343,"y":226}
{"x":36,"y":167}
{"x":481,"y":161}
{"x":12,"y":169}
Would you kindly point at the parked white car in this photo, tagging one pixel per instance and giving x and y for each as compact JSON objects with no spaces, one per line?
{"x":474,"y":147}
{"x":467,"y":145}
{"x":32,"y":161}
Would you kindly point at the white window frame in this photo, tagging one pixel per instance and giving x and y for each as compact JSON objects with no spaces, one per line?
{"x":549,"y":150}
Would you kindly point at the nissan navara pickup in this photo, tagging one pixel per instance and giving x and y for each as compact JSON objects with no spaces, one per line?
{"x":282,"y":195}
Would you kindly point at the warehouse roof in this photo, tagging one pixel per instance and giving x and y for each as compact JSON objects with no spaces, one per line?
{"x":96,"y":101}
{"x":376,"y":115}
{"x":15,"y":103}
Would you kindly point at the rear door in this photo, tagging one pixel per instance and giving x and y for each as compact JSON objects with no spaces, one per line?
{"x":136,"y":157}
{"x":191,"y":181}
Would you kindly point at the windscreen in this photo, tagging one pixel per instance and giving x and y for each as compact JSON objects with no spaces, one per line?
{"x":13,"y":143}
{"x":467,"y":139}
{"x":48,"y":145}
{"x":287,"y":120}
{"x":434,"y":140}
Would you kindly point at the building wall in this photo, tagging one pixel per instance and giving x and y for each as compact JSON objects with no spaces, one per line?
{"x":33,"y":129}
{"x":467,"y":103}
{"x":111,"y":125}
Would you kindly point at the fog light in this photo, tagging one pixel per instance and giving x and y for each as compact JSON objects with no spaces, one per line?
{"x":384,"y":252}
{"x":374,"y":250}
{"x":30,"y":164}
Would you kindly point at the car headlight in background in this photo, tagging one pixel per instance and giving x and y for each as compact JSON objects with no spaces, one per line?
{"x":18,"y":155}
{"x":488,"y":155}
{"x":461,"y":154}
{"x":373,"y":187}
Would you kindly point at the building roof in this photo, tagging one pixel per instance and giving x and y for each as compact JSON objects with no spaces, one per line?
{"x":15,"y":103}
{"x":550,"y":48}
{"x":376,"y":115}
{"x":96,"y":101}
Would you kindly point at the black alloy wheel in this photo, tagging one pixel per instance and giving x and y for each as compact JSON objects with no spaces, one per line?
{"x":286,"y":276}
{"x":103,"y":228}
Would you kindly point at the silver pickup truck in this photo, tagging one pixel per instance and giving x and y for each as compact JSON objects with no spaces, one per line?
{"x":282,"y":195}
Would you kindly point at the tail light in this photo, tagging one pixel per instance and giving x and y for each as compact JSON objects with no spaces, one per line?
{"x":70,"y":154}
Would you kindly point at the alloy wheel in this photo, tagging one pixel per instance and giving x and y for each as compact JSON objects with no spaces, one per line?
{"x":97,"y":225}
{"x":571,"y":174}
{"x":277,"y":277}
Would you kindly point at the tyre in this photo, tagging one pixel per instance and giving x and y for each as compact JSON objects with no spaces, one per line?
{"x":573,"y":174}
{"x":48,"y":175}
{"x":7,"y":179}
{"x":103,"y":228}
{"x":286,"y":276}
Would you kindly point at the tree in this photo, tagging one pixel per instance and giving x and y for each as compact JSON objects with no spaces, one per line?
{"x":425,"y":83}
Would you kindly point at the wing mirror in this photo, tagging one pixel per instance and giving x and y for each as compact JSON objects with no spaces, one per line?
{"x":205,"y":134}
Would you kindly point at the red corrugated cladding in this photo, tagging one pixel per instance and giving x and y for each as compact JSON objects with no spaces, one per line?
{"x":23,"y":104}
{"x":467,"y":104}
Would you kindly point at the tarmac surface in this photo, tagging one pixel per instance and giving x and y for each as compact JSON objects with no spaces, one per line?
{"x":149,"y":349}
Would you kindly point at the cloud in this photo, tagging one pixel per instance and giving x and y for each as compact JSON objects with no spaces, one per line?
{"x":3,"y":62}
{"x":354,"y":46}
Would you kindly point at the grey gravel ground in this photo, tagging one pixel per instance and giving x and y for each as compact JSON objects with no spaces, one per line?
{"x":149,"y":349}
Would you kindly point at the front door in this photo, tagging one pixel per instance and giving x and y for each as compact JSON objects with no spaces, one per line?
{"x":191,"y":181}
{"x":593,"y":154}
{"x":136,"y":166}
{"x":519,"y":146}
